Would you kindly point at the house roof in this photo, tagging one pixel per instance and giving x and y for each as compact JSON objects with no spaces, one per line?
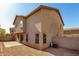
{"x":38,"y":8}
{"x":42,"y":6}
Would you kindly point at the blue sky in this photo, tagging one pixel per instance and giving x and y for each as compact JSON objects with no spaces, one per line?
{"x":69,"y":13}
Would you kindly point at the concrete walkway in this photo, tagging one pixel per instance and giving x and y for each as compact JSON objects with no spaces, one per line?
{"x":17,"y":49}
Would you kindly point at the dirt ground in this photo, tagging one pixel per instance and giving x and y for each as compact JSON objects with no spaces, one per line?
{"x":17,"y":49}
{"x":62,"y":52}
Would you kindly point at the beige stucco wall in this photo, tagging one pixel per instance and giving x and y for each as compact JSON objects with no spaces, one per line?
{"x":18,"y":25}
{"x":44,"y":21}
{"x":18,"y":29}
{"x":68,"y":42}
{"x":33,"y":24}
{"x":51,"y":23}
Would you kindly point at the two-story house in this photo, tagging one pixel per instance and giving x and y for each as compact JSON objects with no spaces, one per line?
{"x":38,"y":28}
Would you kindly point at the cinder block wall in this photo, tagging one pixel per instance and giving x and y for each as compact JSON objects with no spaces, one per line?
{"x":68,"y":42}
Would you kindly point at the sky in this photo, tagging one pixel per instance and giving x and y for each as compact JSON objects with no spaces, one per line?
{"x":68,"y":11}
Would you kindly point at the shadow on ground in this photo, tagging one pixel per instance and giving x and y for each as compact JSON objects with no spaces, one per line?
{"x":62,"y":51}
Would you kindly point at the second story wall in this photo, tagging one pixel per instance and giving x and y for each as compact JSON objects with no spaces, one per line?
{"x":19,"y":25}
{"x":34,"y":26}
{"x":52,"y":23}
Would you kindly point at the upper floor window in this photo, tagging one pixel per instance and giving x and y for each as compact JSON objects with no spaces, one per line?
{"x":36,"y":38}
{"x":21,"y":22}
{"x":44,"y":38}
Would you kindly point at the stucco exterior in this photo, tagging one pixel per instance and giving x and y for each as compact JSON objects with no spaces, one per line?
{"x":18,"y":29}
{"x":52,"y":25}
{"x":44,"y":20}
{"x":19,"y":24}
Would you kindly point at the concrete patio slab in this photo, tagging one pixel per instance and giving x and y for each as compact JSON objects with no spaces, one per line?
{"x":11,"y":44}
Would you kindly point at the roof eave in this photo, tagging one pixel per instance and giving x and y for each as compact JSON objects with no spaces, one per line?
{"x":16,"y":17}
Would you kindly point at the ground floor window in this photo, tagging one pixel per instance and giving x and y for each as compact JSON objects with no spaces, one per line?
{"x":21,"y":38}
{"x":37,"y":38}
{"x":26,"y":37}
{"x":44,"y":38}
